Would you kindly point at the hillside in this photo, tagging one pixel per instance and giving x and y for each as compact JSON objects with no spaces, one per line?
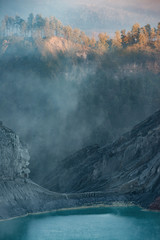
{"x":69,"y":90}
{"x":130,"y":165}
{"x":19,"y":195}
{"x":63,"y":100}
{"x":126,"y":171}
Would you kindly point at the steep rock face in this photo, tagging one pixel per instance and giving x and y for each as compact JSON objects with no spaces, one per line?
{"x":18,"y":194}
{"x":14,"y":156}
{"x":131,"y":165}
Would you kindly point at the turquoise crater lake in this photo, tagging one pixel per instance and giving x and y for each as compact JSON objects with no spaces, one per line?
{"x":113,"y":223}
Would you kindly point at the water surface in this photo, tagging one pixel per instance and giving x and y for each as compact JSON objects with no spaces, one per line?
{"x":117,"y":223}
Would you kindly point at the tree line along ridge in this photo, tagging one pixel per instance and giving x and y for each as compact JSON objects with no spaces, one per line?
{"x":38,"y":27}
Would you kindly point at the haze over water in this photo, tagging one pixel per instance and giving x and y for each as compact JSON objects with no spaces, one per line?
{"x":86,"y":224}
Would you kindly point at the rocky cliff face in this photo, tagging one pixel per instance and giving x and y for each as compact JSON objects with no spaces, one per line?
{"x":14,"y":156}
{"x":18,"y":194}
{"x":126,"y":171}
{"x":131,"y":165}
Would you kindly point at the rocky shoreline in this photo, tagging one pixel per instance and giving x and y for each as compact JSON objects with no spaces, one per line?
{"x":21,"y":198}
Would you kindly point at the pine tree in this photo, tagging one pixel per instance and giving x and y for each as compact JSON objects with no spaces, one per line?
{"x":18,"y":23}
{"x":135,"y":33}
{"x":148,"y":29}
{"x":59,"y":28}
{"x":39,"y":25}
{"x":82,"y":37}
{"x":47,"y":28}
{"x":143,"y":37}
{"x":3,"y":28}
{"x":157,"y":42}
{"x":52,"y":25}
{"x":117,"y":41}
{"x":102,"y":43}
{"x":76,"y":35}
{"x":152,"y":34}
{"x":67,"y":32}
{"x":30,"y":23}
{"x":93,"y":42}
{"x":23,"y":27}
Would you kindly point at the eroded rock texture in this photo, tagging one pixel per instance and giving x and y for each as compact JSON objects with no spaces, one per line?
{"x":14,"y":156}
{"x":131,"y":165}
{"x":18,"y":194}
{"x":126,"y":171}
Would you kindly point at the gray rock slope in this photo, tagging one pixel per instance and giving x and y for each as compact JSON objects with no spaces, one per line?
{"x":126,"y":171}
{"x":14,"y":156}
{"x":130,"y":166}
{"x":19,"y":195}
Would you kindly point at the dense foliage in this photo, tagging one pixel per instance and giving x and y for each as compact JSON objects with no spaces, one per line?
{"x":37,"y":26}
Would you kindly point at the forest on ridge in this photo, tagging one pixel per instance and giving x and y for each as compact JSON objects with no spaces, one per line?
{"x":37,"y":26}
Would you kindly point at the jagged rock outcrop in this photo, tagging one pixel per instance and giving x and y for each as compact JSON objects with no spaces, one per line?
{"x":131,"y":165}
{"x":14,"y":156}
{"x":18,"y":194}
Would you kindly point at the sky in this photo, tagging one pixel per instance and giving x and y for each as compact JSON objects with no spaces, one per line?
{"x":89,"y":15}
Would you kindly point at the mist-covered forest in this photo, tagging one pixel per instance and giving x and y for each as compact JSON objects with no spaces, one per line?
{"x":62,"y":90}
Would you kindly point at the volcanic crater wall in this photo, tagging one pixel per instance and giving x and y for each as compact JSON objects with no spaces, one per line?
{"x":14,"y":156}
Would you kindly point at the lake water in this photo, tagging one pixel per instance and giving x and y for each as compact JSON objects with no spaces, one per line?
{"x":117,"y":223}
